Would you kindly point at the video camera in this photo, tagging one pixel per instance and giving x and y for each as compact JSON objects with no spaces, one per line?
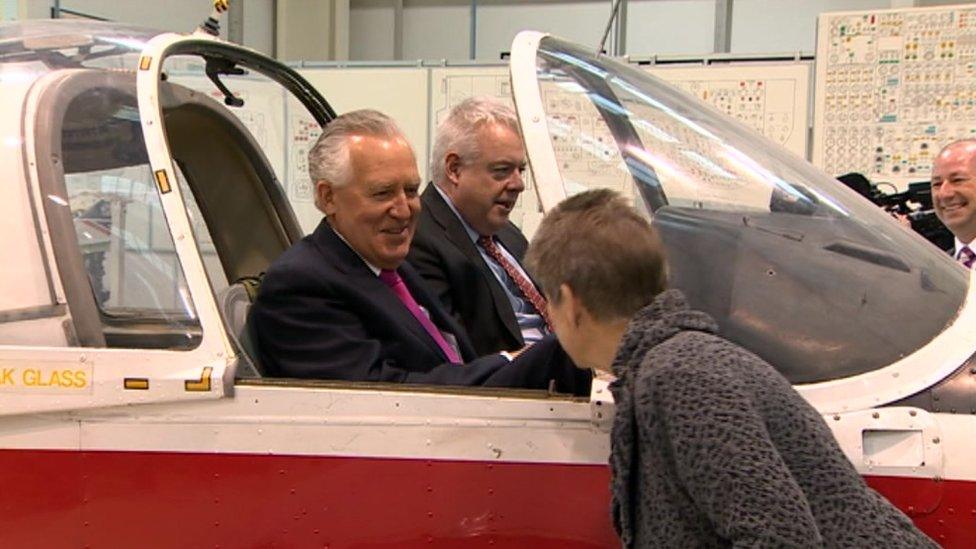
{"x":914,"y":203}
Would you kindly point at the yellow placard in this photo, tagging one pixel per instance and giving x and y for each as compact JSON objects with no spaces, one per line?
{"x":136,"y":383}
{"x":163,"y":181}
{"x":199,"y":385}
{"x":49,"y":377}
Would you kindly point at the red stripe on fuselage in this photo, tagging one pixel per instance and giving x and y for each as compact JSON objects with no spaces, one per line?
{"x":160,"y":499}
{"x":943,"y":509}
{"x":145,"y":499}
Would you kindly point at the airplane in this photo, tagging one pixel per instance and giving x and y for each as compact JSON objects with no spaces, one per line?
{"x":139,"y":210}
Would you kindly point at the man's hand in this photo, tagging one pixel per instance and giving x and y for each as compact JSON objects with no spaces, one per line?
{"x":517,"y":352}
{"x":510,"y":355}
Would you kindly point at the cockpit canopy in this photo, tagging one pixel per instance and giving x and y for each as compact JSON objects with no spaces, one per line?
{"x":792,"y":265}
{"x":30,"y":49}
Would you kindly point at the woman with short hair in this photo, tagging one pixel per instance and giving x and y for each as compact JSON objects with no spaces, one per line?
{"x":711,"y":446}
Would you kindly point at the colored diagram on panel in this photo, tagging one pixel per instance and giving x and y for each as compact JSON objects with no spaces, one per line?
{"x":584,"y":145}
{"x":893,"y":87}
{"x":769,"y":98}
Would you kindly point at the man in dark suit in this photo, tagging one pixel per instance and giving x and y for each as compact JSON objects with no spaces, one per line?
{"x":954,"y":195}
{"x":466,"y":247}
{"x":342,"y":303}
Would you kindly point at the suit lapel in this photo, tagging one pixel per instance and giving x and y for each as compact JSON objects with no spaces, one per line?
{"x":441,"y":213}
{"x":455,"y":232}
{"x":340,"y":255}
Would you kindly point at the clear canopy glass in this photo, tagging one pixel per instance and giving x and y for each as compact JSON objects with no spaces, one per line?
{"x":32,"y":48}
{"x":792,"y":264}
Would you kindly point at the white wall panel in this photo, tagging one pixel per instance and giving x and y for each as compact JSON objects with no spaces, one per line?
{"x":670,"y":26}
{"x":785,"y":25}
{"x":435,"y":29}
{"x":370,"y":30}
{"x":500,"y":20}
{"x":259,"y":25}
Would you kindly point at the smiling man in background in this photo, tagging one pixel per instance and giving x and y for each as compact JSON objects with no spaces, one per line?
{"x":954,"y":195}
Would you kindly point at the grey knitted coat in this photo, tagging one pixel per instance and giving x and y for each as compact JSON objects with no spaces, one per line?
{"x":714,"y":448}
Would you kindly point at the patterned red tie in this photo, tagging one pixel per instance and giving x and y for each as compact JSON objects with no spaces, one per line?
{"x":395,"y":282}
{"x":966,"y":257}
{"x":524,"y":284}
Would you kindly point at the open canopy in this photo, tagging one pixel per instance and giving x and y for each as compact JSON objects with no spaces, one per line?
{"x":792,"y":264}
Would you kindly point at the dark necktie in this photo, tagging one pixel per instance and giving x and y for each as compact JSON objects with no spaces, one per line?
{"x":524,"y":284}
{"x":966,"y":257}
{"x":395,"y":282}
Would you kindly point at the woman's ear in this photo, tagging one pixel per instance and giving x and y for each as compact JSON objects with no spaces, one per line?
{"x":571,"y":304}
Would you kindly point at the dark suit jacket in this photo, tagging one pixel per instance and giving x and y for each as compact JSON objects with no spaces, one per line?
{"x":442,"y":252}
{"x":322,"y":313}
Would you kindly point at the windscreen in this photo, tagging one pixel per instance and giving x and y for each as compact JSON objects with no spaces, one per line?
{"x":790,"y":263}
{"x":30,"y":49}
{"x":135,"y":277}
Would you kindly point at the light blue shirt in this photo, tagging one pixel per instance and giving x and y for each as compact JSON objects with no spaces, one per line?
{"x":531,"y":323}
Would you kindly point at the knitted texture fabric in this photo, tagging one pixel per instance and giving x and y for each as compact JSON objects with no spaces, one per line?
{"x":712,"y":447}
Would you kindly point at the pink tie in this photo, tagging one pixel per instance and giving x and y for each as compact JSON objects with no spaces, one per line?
{"x":966,"y":257}
{"x":395,"y":282}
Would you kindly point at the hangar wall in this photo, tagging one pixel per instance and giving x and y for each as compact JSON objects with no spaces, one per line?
{"x":173,"y":15}
{"x":440,"y":29}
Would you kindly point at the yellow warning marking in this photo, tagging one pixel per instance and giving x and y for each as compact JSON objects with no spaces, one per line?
{"x":162,"y":181}
{"x":136,"y":383}
{"x":144,"y":62}
{"x":202,"y":384}
{"x":48,"y":376}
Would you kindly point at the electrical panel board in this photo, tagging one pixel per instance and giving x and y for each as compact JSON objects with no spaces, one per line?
{"x":770,"y":98}
{"x":892,"y":88}
{"x":691,"y":166}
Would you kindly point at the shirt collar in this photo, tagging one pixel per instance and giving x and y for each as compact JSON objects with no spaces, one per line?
{"x":374,"y":268}
{"x":472,"y":234}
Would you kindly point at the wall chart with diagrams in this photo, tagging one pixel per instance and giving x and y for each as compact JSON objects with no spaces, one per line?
{"x":769,"y":98}
{"x":893,"y":87}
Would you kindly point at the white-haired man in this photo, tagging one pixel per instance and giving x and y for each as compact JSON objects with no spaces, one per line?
{"x":342,"y":303}
{"x":466,"y":247}
{"x":954,"y":195}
